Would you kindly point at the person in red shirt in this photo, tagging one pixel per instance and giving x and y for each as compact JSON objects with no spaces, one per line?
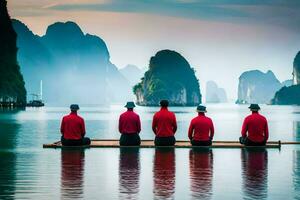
{"x":73,"y":129}
{"x":129,"y":127}
{"x":256,"y":126}
{"x":164,"y":126}
{"x":201,"y":130}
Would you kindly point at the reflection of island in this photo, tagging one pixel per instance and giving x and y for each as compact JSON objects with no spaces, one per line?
{"x":201,"y":173}
{"x":129,"y":173}
{"x":72,"y":173}
{"x":255,"y":173}
{"x":164,"y":173}
{"x":296,"y":173}
{"x":9,"y":134}
{"x":296,"y":127}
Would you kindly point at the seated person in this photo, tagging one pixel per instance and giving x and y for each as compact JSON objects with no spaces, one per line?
{"x":129,"y":127}
{"x":256,"y":126}
{"x":201,"y":130}
{"x":164,"y":125}
{"x":73,"y":129}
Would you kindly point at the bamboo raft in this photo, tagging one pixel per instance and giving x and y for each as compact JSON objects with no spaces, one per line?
{"x":179,"y":144}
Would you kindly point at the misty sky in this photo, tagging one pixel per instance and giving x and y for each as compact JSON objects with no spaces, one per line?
{"x":220,"y":38}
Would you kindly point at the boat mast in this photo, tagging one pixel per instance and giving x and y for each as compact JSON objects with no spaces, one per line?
{"x":41,"y":90}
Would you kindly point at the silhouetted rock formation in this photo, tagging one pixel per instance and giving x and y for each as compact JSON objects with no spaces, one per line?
{"x":257,"y":87}
{"x":169,"y":77}
{"x":296,"y":69}
{"x":132,"y":73}
{"x":75,"y":67}
{"x":214,"y":94}
{"x":12,"y":86}
{"x":287,"y":96}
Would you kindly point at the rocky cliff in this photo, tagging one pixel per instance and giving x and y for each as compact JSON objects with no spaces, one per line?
{"x":296,"y":69}
{"x":74,"y":66}
{"x":214,"y":94}
{"x":290,"y":94}
{"x":169,"y":77}
{"x":287,"y":96}
{"x":257,"y":87}
{"x":12,"y":86}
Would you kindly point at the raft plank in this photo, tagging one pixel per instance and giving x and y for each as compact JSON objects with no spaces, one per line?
{"x":150,"y":144}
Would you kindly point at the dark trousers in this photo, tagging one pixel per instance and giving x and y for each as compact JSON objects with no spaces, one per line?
{"x":245,"y":141}
{"x":165,"y":141}
{"x":201,"y":143}
{"x":83,"y":141}
{"x":130,"y":139}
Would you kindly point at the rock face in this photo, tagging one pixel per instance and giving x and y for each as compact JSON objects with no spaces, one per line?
{"x":169,"y":77}
{"x":296,"y":69}
{"x":12,"y":86}
{"x":287,"y":83}
{"x":74,"y":67}
{"x":132,"y":73}
{"x":257,"y":87}
{"x":287,"y":96}
{"x":214,"y":94}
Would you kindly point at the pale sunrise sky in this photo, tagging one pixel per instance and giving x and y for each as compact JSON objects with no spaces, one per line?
{"x":219,"y":38}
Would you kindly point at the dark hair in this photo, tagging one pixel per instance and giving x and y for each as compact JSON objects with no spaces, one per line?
{"x":164,"y":103}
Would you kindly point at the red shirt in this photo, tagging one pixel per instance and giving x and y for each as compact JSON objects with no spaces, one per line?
{"x":72,"y":127}
{"x":129,"y":123}
{"x":164,"y":123}
{"x":201,"y":128}
{"x":257,"y":127}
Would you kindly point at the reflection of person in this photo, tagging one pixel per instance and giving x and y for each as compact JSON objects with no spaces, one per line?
{"x":164,"y":173}
{"x":73,"y":129}
{"x":255,"y":173}
{"x":201,"y":173}
{"x":201,"y":130}
{"x":72,"y":173}
{"x":256,"y":126}
{"x":129,"y":173}
{"x":129,"y":126}
{"x":164,"y":125}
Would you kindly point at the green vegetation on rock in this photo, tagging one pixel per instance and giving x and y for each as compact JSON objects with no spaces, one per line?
{"x":169,"y":77}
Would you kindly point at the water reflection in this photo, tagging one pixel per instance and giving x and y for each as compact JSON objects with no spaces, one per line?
{"x":8,"y":142}
{"x":164,"y":173}
{"x":201,"y":173}
{"x":129,"y":173}
{"x":72,"y":173}
{"x":255,"y":173}
{"x":296,"y":127}
{"x":296,"y":173}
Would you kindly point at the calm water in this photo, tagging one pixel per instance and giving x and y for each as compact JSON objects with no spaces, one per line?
{"x":30,"y":172}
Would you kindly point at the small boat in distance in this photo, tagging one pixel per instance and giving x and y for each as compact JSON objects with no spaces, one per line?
{"x":37,"y":99}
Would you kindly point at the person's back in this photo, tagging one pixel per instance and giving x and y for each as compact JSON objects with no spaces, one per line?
{"x":129,"y":126}
{"x":255,"y":130}
{"x":73,"y":129}
{"x":201,"y":129}
{"x":165,"y":121}
{"x":256,"y":125}
{"x":164,"y":126}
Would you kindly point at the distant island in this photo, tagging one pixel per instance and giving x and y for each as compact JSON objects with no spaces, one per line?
{"x":290,"y":95}
{"x":171,"y":77}
{"x":257,"y":87}
{"x":12,"y":86}
{"x":215,"y":94}
{"x":74,"y":66}
{"x":132,"y":73}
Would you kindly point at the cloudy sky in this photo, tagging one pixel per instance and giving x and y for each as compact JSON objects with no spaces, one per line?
{"x":220,"y":38}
